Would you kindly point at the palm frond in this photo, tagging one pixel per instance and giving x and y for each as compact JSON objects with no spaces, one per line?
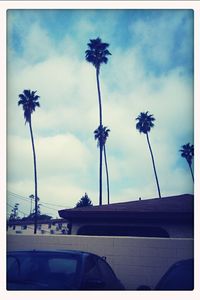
{"x":101,"y":134}
{"x":187,"y":152}
{"x":145,"y":122}
{"x":97,"y":52}
{"x":29,"y":101}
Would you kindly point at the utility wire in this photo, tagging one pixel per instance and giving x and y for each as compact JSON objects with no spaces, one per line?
{"x":18,"y":209}
{"x":39,"y":204}
{"x":49,"y":207}
{"x":21,"y":210}
{"x":27,"y":199}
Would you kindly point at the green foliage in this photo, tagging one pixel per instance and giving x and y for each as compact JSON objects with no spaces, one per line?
{"x":84,"y":201}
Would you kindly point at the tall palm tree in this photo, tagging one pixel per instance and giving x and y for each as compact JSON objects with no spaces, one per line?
{"x":29,"y":102}
{"x":187,"y":152}
{"x":96,"y":54}
{"x":101,"y":134}
{"x":144,"y":125}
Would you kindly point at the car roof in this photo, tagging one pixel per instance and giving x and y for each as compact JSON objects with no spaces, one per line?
{"x":183,"y":269}
{"x":76,"y":252}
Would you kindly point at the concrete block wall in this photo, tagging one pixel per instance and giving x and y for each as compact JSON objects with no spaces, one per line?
{"x":135,"y":260}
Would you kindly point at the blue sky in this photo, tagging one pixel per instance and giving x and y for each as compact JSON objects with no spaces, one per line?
{"x":151,"y":68}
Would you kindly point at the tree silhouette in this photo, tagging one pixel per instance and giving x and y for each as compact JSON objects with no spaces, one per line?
{"x":101,"y":134}
{"x":187,"y":152}
{"x":29,"y":102}
{"x":96,"y":54}
{"x":84,"y":201}
{"x":31,"y":197}
{"x":14,"y":213}
{"x":40,"y":217}
{"x":144,"y":125}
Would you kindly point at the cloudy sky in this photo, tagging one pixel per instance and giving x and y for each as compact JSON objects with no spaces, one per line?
{"x":151,"y":69}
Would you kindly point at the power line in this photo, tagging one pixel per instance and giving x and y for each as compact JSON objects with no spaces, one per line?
{"x":49,"y":207}
{"x":54,"y":204}
{"x":23,"y":211}
{"x":18,"y":209}
{"x":26,"y":199}
{"x":20,"y":198}
{"x":39,"y":204}
{"x":17,"y":195}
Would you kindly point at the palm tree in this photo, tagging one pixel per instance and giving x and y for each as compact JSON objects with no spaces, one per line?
{"x":187,"y":152}
{"x":96,"y":54}
{"x":29,"y":102}
{"x":101,"y":134}
{"x":144,"y":125}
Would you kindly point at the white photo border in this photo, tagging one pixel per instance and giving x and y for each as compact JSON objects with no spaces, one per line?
{"x":154,"y":295}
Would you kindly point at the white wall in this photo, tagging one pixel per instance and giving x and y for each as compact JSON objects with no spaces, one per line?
{"x":136,"y":261}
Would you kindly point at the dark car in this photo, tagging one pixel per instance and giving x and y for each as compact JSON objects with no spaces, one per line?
{"x":179,"y":277}
{"x":59,"y":270}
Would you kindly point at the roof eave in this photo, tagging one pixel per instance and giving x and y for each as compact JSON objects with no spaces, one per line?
{"x":126,"y":216}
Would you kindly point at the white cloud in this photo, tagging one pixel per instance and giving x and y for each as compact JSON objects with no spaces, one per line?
{"x":157,"y":36}
{"x":60,"y":154}
{"x":37,"y":44}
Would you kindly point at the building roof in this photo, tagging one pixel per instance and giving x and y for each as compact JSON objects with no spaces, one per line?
{"x":173,"y":207}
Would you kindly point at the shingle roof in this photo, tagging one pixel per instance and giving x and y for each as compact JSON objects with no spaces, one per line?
{"x":173,"y":205}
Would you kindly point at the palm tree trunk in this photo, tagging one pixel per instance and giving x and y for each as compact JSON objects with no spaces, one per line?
{"x":107,"y":177}
{"x":191,"y":171}
{"x":100,"y":175}
{"x":99,"y":96}
{"x":154,"y":167}
{"x":100,"y":148}
{"x":35,"y":178}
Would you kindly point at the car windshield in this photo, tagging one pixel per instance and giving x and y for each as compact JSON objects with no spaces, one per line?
{"x":42,"y":270}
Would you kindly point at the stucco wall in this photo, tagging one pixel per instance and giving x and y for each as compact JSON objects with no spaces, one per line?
{"x":136,"y":261}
